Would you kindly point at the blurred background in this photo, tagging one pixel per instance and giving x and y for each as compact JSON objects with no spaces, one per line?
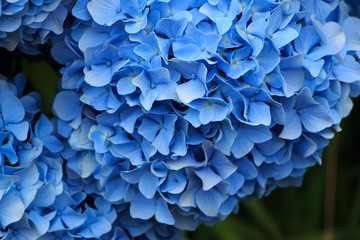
{"x":326,"y":207}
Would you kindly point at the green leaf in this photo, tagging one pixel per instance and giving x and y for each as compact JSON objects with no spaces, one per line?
{"x":263,"y":218}
{"x":43,"y":79}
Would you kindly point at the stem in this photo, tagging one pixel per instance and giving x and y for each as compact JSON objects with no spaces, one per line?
{"x":330,"y":189}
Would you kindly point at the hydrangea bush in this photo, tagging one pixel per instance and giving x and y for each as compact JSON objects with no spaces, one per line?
{"x":169,"y":112}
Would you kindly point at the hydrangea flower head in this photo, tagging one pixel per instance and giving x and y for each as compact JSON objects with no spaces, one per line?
{"x":170,"y":112}
{"x":214,"y":102}
{"x":28,"y":155}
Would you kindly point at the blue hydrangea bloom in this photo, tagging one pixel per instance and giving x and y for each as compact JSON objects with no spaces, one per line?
{"x":31,"y":169}
{"x":182,"y":109}
{"x":169,"y":112}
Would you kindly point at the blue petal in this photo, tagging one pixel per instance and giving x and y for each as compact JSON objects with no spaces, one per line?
{"x":100,"y":227}
{"x":292,"y":128}
{"x":222,"y":165}
{"x":43,"y":127}
{"x":316,"y":118}
{"x":162,"y":213}
{"x":259,"y":112}
{"x":162,"y":141}
{"x":55,"y":20}
{"x":242,"y":145}
{"x":284,"y":36}
{"x":142,"y":207}
{"x":294,"y":78}
{"x":208,"y":177}
{"x":247,"y":168}
{"x":71,"y":218}
{"x":257,"y":134}
{"x":12,"y":110}
{"x":41,"y":223}
{"x":105,"y":12}
{"x":332,"y":37}
{"x":45,"y":196}
{"x":80,"y":10}
{"x":349,"y":71}
{"x":115,"y":190}
{"x":190,"y":90}
{"x":11,"y":210}
{"x":6,"y":182}
{"x":148,"y":184}
{"x":228,"y":206}
{"x":9,"y":23}
{"x":67,"y":105}
{"x":99,"y":75}
{"x":53,"y":144}
{"x":236,"y":181}
{"x":148,"y":129}
{"x":209,"y":202}
{"x":20,"y":130}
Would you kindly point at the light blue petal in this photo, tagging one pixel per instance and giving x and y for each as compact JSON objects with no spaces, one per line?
{"x":314,"y":67}
{"x":148,"y":184}
{"x":105,"y":12}
{"x":247,"y":168}
{"x":242,"y":145}
{"x":71,"y":218}
{"x":101,"y":227}
{"x":162,"y":141}
{"x":226,"y":138}
{"x":209,"y":202}
{"x":148,"y":129}
{"x":20,"y":130}
{"x":99,"y":75}
{"x":223,"y":167}
{"x":41,"y":223}
{"x":11,"y":210}
{"x":259,"y":113}
{"x":332,"y":37}
{"x":142,"y":207}
{"x":45,"y":196}
{"x":257,"y":134}
{"x":53,"y":144}
{"x":190,"y":90}
{"x":294,"y":78}
{"x":115,"y":190}
{"x":87,"y":165}
{"x":128,"y":118}
{"x":349,"y":71}
{"x":292,"y":128}
{"x":284,"y":36}
{"x":67,"y":105}
{"x":12,"y":110}
{"x":43,"y":127}
{"x":208,"y":177}
{"x":145,"y":50}
{"x":316,"y":118}
{"x":162,"y":213}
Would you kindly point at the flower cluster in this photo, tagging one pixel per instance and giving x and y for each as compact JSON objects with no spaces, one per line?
{"x":179,"y":109}
{"x":30,"y":165}
{"x":170,"y":112}
{"x":28,"y":23}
